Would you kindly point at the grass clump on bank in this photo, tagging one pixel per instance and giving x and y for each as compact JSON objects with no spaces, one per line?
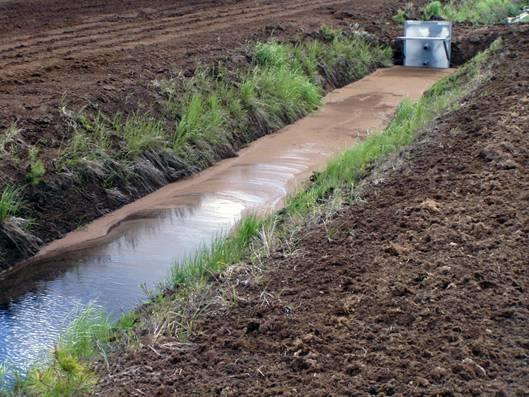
{"x":482,"y":12}
{"x":283,"y":83}
{"x":69,"y":373}
{"x":10,"y":203}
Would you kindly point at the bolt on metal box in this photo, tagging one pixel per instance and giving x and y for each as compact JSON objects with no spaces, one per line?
{"x":427,"y":44}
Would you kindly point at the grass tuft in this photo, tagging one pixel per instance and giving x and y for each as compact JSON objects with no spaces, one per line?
{"x":140,"y":133}
{"x":480,"y":12}
{"x":68,"y":373}
{"x":10,"y":202}
{"x":36,"y":167}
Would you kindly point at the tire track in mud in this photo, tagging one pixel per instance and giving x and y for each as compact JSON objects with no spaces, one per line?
{"x":144,"y":33}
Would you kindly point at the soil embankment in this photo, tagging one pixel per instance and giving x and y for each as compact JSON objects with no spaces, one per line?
{"x":421,"y":289}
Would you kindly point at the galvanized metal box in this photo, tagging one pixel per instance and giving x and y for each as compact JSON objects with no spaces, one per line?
{"x":427,"y":44}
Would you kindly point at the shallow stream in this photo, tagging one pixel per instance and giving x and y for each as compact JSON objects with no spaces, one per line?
{"x":115,"y":258}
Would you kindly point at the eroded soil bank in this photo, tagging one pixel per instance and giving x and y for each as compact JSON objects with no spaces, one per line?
{"x":421,"y":289}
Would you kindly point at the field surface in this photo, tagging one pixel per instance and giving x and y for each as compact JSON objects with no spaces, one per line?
{"x":57,"y":53}
{"x":418,"y":289}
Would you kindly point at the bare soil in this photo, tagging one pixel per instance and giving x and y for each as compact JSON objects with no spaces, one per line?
{"x":422,"y":289}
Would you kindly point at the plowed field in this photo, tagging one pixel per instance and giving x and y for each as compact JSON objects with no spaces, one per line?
{"x":56,"y":53}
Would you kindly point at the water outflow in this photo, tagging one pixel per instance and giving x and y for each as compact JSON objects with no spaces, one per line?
{"x":110,"y":260}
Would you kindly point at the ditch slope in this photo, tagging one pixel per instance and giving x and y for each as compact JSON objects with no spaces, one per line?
{"x":419,"y":288}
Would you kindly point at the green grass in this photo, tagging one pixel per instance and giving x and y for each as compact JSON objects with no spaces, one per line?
{"x":482,"y":12}
{"x":285,"y":83}
{"x":10,"y":202}
{"x":68,"y":373}
{"x":432,"y":10}
{"x":224,"y":251}
{"x":400,"y":17}
{"x":139,"y":133}
{"x":36,"y":167}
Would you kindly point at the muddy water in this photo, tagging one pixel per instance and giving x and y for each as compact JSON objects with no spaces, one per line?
{"x":110,"y":260}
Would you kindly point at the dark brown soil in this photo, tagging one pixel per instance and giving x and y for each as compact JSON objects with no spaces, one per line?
{"x":423,"y":290}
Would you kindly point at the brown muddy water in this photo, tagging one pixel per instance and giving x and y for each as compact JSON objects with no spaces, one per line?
{"x":112,"y":261}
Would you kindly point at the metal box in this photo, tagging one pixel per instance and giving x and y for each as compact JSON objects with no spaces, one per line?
{"x":427,"y":44}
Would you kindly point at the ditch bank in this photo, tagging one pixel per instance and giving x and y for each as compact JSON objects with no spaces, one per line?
{"x":113,"y":160}
{"x":419,"y":287}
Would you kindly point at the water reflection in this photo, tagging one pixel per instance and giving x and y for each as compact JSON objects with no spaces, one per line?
{"x":37,"y":303}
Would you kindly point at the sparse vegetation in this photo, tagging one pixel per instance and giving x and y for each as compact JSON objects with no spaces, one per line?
{"x":36,"y":167}
{"x":484,"y":12}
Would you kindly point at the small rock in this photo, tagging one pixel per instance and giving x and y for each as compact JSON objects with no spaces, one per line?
{"x":430,"y":205}
{"x":439,"y":373}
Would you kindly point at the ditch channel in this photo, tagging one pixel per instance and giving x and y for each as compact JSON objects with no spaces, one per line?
{"x":114,"y":260}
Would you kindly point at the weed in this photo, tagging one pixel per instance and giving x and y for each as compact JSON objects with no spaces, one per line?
{"x":484,"y":12}
{"x":329,"y":34}
{"x":271,"y":54}
{"x":202,"y":119}
{"x":36,"y":167}
{"x":399,"y":17}
{"x":140,"y":133}
{"x":8,"y":136}
{"x":10,"y":202}
{"x":432,"y":10}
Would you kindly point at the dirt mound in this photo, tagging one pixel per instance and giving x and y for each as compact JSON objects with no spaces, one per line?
{"x":422,"y":289}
